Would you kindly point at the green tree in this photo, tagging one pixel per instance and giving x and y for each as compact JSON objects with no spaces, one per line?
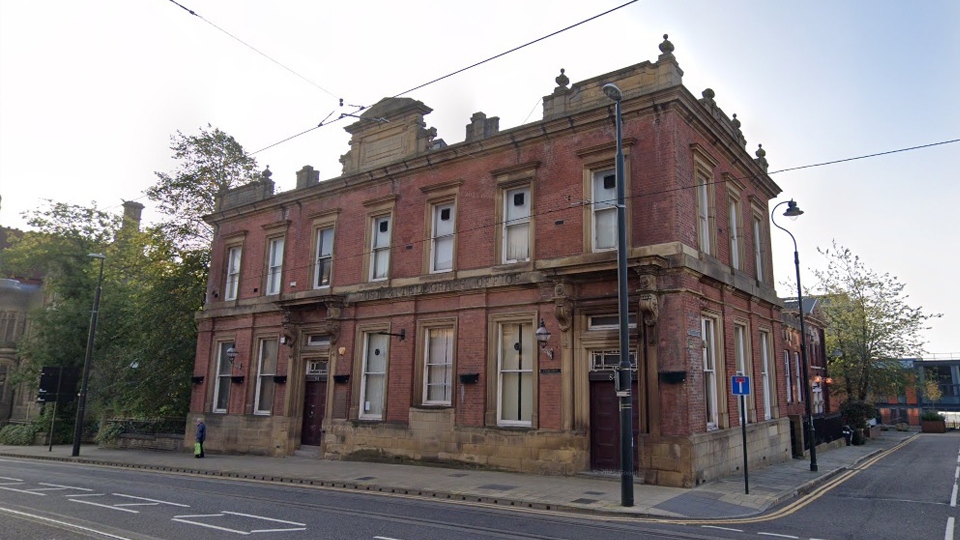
{"x":870,"y":324}
{"x":208,"y":164}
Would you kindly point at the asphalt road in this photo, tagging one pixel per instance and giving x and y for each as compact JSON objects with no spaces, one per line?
{"x":909,"y":493}
{"x":82,"y":501}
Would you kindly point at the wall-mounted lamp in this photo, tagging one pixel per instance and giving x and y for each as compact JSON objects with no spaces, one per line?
{"x":543,"y":335}
{"x":342,"y":351}
{"x":232,"y":355}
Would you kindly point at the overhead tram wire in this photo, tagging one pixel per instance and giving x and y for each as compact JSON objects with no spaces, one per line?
{"x":254,"y":49}
{"x":438,"y":79}
{"x":517,"y":48}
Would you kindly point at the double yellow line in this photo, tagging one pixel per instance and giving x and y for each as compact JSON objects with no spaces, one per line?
{"x":805,"y":500}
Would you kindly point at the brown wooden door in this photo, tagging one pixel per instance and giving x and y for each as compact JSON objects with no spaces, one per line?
{"x":314,"y":408}
{"x":605,"y":423}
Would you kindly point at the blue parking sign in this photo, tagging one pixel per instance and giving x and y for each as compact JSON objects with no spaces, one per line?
{"x":740,"y":384}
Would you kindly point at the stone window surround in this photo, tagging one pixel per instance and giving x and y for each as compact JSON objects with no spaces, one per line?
{"x":419,"y":372}
{"x":321,"y":221}
{"x":492,"y":412}
{"x":595,"y":159}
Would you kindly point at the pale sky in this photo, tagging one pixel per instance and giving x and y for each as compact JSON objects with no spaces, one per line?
{"x":90,"y":93}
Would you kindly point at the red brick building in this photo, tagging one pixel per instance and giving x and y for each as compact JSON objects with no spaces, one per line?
{"x":392,"y":311}
{"x":791,"y":364}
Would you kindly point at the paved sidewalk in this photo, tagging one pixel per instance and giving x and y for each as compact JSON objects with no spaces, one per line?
{"x":724,"y":498}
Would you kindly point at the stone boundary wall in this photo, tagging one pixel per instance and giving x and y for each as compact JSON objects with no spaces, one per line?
{"x":169,"y":442}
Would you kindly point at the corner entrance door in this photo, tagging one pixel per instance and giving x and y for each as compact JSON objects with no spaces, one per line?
{"x":314,"y":408}
{"x":605,"y":423}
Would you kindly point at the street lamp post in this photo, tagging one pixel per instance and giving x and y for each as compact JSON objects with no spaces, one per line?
{"x":625,"y":375}
{"x":82,"y":401}
{"x":794,"y":212}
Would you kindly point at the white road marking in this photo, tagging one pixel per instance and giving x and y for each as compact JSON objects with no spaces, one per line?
{"x":110,"y":506}
{"x":31,"y":492}
{"x":721,"y":528}
{"x":190,"y":519}
{"x":157,"y":501}
{"x":63,"y":523}
{"x":207,"y":525}
{"x":265,"y":518}
{"x":948,"y":534}
{"x":953,"y":496}
{"x":777,"y":535}
{"x":384,"y":538}
{"x":60,"y":486}
{"x":956,"y":473}
{"x":11,"y":479}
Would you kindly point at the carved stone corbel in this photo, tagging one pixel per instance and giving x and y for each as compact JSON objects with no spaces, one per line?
{"x":563,"y":311}
{"x":649,"y":308}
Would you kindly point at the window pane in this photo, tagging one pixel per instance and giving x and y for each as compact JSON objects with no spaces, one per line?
{"x":439,"y":365}
{"x":604,"y":191}
{"x":323,"y":272}
{"x":443,"y":253}
{"x":381,"y":260}
{"x":518,"y":242}
{"x":605,"y":235}
{"x":325,"y":242}
{"x":268,"y":356}
{"x":265,"y":394}
{"x":517,"y":203}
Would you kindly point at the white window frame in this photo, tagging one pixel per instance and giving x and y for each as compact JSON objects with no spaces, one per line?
{"x":800,"y":393}
{"x":603,"y":206}
{"x":380,"y":242}
{"x":787,"y":371}
{"x":736,"y":259}
{"x":265,"y":374}
{"x":525,"y":360}
{"x":516,"y":224}
{"x":438,"y":372}
{"x":274,"y":266}
{"x":442,"y":235}
{"x":371,"y":376}
{"x":758,"y":247}
{"x":704,"y":217}
{"x":708,"y":327}
{"x":324,"y":258}
{"x":232,"y":284}
{"x":600,"y":360}
{"x":221,"y":387}
{"x":610,"y":321}
{"x":765,"y":375}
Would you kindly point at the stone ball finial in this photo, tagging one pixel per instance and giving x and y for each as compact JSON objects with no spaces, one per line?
{"x":267,"y":173}
{"x":666,"y":47}
{"x":708,"y":93}
{"x":761,"y":153}
{"x":562,"y":80}
{"x":735,"y":122}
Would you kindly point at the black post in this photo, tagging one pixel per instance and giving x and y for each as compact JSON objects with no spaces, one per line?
{"x":743,"y":426}
{"x":625,"y":375}
{"x":793,"y":212}
{"x":811,"y":430}
{"x":82,"y":401}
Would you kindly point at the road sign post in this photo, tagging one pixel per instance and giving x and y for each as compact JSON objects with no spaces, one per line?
{"x":740,"y":386}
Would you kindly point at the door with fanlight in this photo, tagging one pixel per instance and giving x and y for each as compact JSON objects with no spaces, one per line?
{"x":605,"y":411}
{"x":314,"y":402}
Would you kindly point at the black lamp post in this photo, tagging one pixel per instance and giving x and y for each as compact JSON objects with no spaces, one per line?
{"x":624,"y":375}
{"x":82,"y":401}
{"x":793,"y":212}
